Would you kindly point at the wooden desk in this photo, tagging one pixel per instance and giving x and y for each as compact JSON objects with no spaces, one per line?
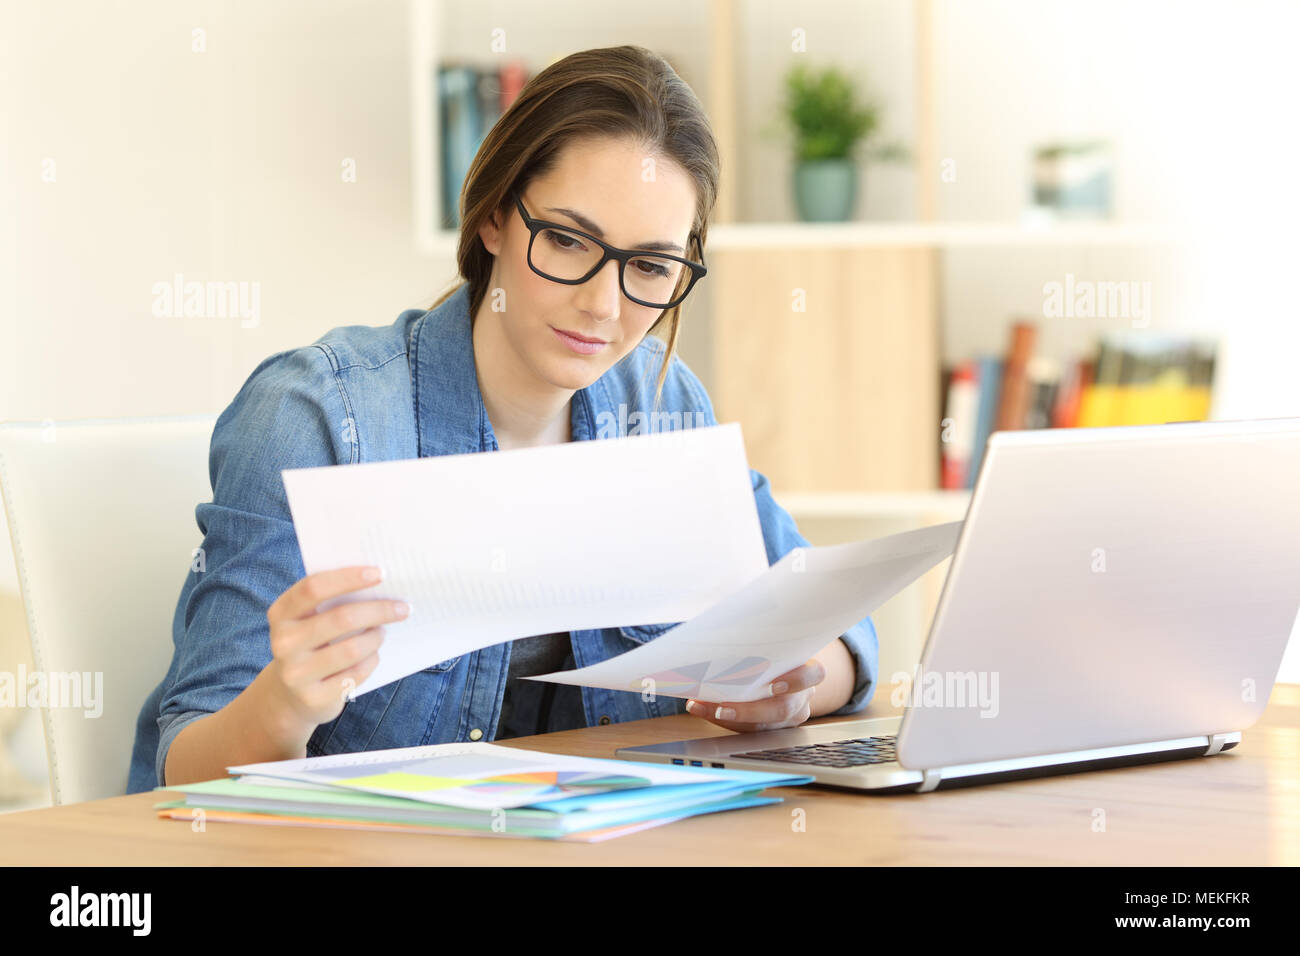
{"x":1239,"y":808}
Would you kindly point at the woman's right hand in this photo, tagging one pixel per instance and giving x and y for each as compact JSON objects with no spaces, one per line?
{"x":308,"y":675}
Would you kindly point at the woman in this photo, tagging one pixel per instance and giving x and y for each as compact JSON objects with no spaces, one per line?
{"x":546,"y":338}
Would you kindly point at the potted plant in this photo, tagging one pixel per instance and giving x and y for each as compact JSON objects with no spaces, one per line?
{"x":1072,"y":180}
{"x":829,"y":124}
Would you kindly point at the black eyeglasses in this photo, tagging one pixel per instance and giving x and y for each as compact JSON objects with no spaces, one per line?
{"x":571,"y":256}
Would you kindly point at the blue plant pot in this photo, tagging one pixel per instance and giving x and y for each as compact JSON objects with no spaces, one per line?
{"x":825,"y":189}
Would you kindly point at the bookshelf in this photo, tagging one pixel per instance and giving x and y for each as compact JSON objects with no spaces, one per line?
{"x":879,"y":291}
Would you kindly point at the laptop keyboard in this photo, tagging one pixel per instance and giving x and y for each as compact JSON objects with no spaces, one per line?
{"x":854,"y":752}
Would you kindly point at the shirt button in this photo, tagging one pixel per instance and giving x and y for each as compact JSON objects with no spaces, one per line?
{"x":604,"y":718}
{"x":475,"y":734}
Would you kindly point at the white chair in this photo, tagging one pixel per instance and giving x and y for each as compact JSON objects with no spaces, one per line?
{"x":101,"y":517}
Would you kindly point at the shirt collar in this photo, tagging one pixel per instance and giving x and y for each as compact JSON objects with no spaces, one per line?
{"x":450,"y":418}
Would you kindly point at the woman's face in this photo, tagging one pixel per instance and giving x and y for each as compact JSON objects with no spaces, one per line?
{"x":610,"y":189}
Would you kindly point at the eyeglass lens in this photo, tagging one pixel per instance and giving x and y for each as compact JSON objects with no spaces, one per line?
{"x":561,"y":254}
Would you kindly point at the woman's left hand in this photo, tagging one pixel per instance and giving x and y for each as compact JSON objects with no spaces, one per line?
{"x":787,"y":707}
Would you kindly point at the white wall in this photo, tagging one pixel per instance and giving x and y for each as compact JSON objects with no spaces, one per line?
{"x":221,"y":165}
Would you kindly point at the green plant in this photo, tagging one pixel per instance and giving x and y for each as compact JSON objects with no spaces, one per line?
{"x":1060,"y":150}
{"x":828,"y":120}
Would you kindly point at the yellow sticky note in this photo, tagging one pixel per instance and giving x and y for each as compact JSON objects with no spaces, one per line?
{"x":406,"y":781}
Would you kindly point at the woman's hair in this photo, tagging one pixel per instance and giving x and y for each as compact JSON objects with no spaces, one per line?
{"x":622,"y":91}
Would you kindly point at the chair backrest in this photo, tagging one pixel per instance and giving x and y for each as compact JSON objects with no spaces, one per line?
{"x":101,"y":517}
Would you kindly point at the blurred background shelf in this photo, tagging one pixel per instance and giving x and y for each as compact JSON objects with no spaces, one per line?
{"x":733,"y":236}
{"x":943,"y":253}
{"x":729,"y":236}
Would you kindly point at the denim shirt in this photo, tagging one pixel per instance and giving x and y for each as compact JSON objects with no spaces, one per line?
{"x":359,"y":394}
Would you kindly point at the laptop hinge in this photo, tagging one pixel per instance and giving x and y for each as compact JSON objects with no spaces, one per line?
{"x":930,"y":779}
{"x":1216,"y":744}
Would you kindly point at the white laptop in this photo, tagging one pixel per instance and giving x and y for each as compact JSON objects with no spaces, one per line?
{"x":1117,"y":596}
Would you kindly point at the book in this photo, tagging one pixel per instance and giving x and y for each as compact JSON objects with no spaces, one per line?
{"x":1130,"y":379}
{"x":461,"y":131}
{"x":475,"y":788}
{"x":1147,"y":380}
{"x":1077,"y":377}
{"x":1044,"y":378}
{"x":1014,"y":399}
{"x":178,"y":811}
{"x":989,"y":380}
{"x":469,"y":101}
{"x":960,"y":425}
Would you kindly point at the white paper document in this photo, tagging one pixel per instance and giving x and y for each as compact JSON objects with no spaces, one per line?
{"x":736,"y":648}
{"x":493,"y":547}
{"x":478,"y":776}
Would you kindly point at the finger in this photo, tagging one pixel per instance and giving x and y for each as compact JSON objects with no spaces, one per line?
{"x":302,"y":599}
{"x":331,"y":659}
{"x":349,"y":679}
{"x":808,"y":674}
{"x":743,"y":727}
{"x":293,"y":638}
{"x":351,"y":618}
{"x":769,"y":711}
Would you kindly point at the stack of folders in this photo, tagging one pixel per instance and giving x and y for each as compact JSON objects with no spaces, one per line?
{"x":476,"y":789}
